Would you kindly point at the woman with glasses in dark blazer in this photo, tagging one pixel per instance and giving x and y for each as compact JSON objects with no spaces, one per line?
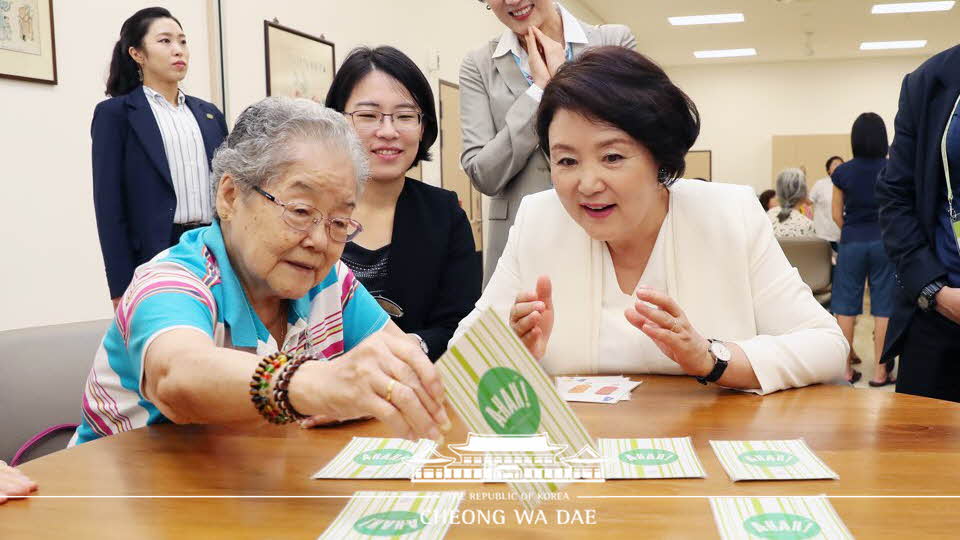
{"x":416,"y":254}
{"x":152,"y":147}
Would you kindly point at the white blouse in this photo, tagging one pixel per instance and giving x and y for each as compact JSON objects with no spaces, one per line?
{"x":624,"y":348}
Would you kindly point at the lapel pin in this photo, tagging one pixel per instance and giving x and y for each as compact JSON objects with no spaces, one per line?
{"x":209,"y":116}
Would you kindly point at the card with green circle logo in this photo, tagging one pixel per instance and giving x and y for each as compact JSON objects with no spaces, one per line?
{"x":650,"y":458}
{"x":771,"y":460}
{"x":377,"y":457}
{"x":777,"y":518}
{"x":498,"y":388}
{"x":395,"y":514}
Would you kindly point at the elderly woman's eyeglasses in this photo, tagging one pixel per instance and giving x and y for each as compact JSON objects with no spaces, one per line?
{"x":369,"y":120}
{"x":304,"y":218}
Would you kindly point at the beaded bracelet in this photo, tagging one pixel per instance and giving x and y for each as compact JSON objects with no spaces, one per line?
{"x":280,"y":394}
{"x":260,"y":388}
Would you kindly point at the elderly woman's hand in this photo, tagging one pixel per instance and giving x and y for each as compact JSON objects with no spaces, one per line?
{"x":14,"y":483}
{"x":668,"y":327}
{"x":385,"y":376}
{"x":531,"y":317}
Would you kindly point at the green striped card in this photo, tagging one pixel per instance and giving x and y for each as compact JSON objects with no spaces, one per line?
{"x":650,"y":458}
{"x":395,"y":514}
{"x":771,"y":460}
{"x":375,"y":457}
{"x":777,"y":518}
{"x":498,"y":388}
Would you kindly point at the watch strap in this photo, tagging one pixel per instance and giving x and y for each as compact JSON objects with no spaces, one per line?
{"x":719,"y":366}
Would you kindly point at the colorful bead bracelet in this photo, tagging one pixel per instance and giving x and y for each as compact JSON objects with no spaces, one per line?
{"x":260,"y":388}
{"x":280,"y":394}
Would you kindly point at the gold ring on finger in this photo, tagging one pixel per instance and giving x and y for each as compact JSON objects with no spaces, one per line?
{"x":390,"y":390}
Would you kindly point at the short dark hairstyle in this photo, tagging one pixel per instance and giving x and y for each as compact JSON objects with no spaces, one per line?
{"x":765,"y":198}
{"x":869,"y":136}
{"x":123,"y":76}
{"x":626,"y":90}
{"x":361,"y":61}
{"x":831,"y":160}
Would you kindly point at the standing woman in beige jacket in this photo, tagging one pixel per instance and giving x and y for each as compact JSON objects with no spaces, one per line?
{"x":500,"y":88}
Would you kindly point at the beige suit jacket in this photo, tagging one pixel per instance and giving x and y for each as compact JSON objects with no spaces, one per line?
{"x":500,"y":150}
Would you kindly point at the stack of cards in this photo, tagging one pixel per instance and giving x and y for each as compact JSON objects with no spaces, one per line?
{"x":376,"y":457}
{"x":595,"y":389}
{"x":748,"y":518}
{"x":771,"y":460}
{"x":395,"y":514}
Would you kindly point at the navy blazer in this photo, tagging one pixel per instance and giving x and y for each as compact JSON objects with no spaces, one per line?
{"x":434,"y":272}
{"x":912,"y":189}
{"x":133,"y":192}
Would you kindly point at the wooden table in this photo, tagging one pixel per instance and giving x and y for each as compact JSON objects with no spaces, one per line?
{"x":903,"y":449}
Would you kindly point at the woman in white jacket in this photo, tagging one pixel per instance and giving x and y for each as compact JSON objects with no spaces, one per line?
{"x":625,"y":268}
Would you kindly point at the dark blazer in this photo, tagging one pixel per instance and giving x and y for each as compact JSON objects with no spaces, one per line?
{"x":912,"y":189}
{"x":133,"y":192}
{"x":434,"y":270}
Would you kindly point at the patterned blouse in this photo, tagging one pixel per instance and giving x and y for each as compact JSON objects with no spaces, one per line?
{"x":795,"y":225}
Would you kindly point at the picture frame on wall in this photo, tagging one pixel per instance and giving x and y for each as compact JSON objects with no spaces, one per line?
{"x":27,"y":45}
{"x":297,"y":64}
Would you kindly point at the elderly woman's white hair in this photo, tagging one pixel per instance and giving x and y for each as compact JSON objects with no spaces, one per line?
{"x":791,"y":191}
{"x":258,"y":149}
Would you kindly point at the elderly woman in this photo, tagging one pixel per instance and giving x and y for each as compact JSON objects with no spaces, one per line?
{"x":227,"y":326}
{"x":623,"y":268}
{"x":788,"y":221}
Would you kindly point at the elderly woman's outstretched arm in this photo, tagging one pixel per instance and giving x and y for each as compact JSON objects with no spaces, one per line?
{"x":193,"y":381}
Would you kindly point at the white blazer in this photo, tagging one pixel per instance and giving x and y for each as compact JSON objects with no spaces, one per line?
{"x":724,"y":268}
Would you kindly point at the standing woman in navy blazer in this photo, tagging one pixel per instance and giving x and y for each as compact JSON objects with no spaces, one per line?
{"x":152,"y":147}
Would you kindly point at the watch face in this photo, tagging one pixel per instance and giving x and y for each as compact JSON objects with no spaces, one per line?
{"x":720,"y":351}
{"x":923,"y":302}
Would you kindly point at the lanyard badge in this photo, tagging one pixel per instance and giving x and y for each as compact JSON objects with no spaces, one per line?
{"x":954,"y":217}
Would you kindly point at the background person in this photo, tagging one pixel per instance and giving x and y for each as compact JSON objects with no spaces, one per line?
{"x":861,"y":256}
{"x":787,"y":219}
{"x":500,"y":88}
{"x":918,"y":233}
{"x":152,"y":146}
{"x":417,"y":255}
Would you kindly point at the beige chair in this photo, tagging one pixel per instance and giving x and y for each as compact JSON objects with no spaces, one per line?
{"x":812,"y":258}
{"x":43,"y":370}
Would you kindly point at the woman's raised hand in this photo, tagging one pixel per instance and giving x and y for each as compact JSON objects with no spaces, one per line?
{"x":531,"y":317}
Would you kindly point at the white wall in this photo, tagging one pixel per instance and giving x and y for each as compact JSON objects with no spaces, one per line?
{"x":744,"y":105}
{"x":52,"y":270}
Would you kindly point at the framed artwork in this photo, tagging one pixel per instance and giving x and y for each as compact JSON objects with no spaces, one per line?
{"x":27,"y":48}
{"x":298,"y":64}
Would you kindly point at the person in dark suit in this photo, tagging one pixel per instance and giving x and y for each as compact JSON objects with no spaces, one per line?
{"x":417,"y":254}
{"x":921,"y":230}
{"x":152,"y":147}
